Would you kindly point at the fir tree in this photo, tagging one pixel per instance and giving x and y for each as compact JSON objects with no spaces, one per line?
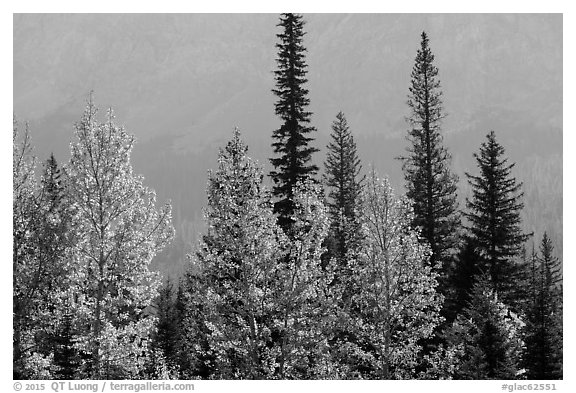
{"x":343,"y":180}
{"x":430,"y":184}
{"x":120,"y":231}
{"x":188,"y":359}
{"x":494,"y":216}
{"x":292,"y":138}
{"x":487,"y":336}
{"x":344,"y":239}
{"x":543,"y":357}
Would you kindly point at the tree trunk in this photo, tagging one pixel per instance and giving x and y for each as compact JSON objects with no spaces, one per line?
{"x":96,"y":326}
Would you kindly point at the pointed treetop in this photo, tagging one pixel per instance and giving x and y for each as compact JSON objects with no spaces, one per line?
{"x":235,"y":149}
{"x":424,"y":39}
{"x":293,"y":161}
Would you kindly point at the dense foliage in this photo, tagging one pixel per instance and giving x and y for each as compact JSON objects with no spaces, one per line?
{"x":287,"y":283}
{"x":87,"y":297}
{"x":396,"y":303}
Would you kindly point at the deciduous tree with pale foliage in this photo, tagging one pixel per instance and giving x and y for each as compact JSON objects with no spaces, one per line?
{"x":25,"y":268}
{"x":304,"y":306}
{"x":396,"y":303}
{"x":120,"y":229}
{"x":238,"y":264}
{"x":262,"y":294}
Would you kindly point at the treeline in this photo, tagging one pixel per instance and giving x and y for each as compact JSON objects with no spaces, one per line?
{"x":329,"y":275}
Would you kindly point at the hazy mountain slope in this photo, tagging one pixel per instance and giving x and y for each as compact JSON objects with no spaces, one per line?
{"x":182,"y":82}
{"x":196,"y":73}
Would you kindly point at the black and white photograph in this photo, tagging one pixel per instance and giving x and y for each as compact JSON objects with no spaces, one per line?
{"x":287,"y":196}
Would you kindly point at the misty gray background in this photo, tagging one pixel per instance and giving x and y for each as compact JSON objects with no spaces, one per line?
{"x":181,"y":83}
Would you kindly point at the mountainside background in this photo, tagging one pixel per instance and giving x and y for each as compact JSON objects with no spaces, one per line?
{"x":181,"y":83}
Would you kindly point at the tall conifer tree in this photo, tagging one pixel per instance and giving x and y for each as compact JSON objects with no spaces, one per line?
{"x":429,"y":181}
{"x":291,"y":140}
{"x":494,"y":215}
{"x":343,"y":179}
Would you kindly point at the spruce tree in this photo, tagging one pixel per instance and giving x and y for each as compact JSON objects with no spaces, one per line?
{"x":543,"y":357}
{"x":342,"y":177}
{"x":292,"y":138}
{"x":430,"y":183}
{"x":494,"y":217}
{"x":343,"y":180}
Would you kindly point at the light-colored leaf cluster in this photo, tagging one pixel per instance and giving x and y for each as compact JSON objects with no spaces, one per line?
{"x":120,"y":230}
{"x":262,"y":290}
{"x":396,"y":301}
